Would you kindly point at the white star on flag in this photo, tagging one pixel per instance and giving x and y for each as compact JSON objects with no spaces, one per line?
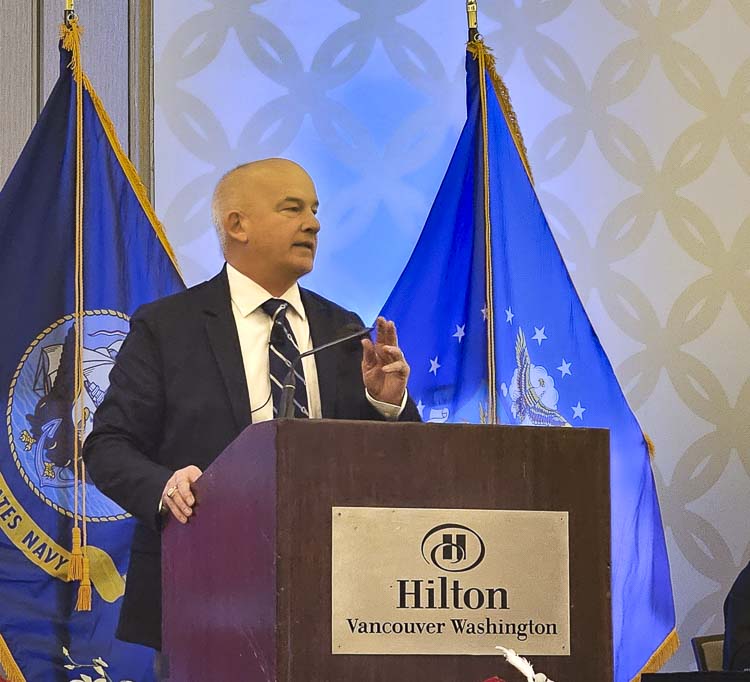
{"x":434,"y":366}
{"x":420,"y":408}
{"x":509,"y":315}
{"x":539,"y":335}
{"x":460,"y":333}
{"x":484,"y":313}
{"x":564,"y":369}
{"x":578,"y":411}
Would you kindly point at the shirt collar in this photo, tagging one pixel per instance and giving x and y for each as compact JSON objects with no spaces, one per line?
{"x":248,"y":295}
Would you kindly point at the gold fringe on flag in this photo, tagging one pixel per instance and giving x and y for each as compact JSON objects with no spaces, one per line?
{"x":139,"y":189}
{"x":477,"y":47}
{"x":8,"y":665}
{"x":658,"y":659}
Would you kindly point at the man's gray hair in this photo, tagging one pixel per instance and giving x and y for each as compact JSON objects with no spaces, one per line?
{"x":216,"y":221}
{"x":216,"y":216}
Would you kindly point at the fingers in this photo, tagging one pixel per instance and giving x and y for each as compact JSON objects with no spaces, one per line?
{"x":386,"y":332}
{"x":175,"y":509}
{"x":394,"y":363}
{"x":400,"y":368}
{"x":389,"y":359}
{"x":389,"y":354}
{"x":369,"y":355}
{"x":178,"y":495}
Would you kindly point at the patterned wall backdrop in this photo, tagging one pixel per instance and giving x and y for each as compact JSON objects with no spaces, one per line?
{"x":636,"y":114}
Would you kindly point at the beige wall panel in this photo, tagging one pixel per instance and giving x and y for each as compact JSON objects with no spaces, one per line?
{"x":17,"y":101}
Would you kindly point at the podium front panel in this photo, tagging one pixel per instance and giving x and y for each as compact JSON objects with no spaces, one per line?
{"x":265,"y":523}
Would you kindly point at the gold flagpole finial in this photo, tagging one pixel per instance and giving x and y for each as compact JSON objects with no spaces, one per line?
{"x":471,"y":14}
{"x":70,"y":12}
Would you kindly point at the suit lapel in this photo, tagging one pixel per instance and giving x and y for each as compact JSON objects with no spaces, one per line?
{"x":322,"y":331}
{"x":225,"y":344}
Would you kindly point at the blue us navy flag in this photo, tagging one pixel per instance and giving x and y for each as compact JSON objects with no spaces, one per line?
{"x":549,"y":366}
{"x":126,"y":263}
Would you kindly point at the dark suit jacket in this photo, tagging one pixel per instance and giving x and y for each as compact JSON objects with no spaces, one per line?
{"x":737,"y":623}
{"x":178,"y":396}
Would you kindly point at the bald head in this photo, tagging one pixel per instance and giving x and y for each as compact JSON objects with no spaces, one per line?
{"x":265,"y":215}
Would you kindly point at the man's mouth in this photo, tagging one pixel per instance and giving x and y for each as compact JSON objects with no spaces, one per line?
{"x":305,"y":245}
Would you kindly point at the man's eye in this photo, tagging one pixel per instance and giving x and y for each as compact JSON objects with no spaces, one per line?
{"x":294,"y":209}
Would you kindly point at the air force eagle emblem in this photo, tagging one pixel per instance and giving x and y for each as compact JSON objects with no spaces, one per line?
{"x":41,"y":415}
{"x":532,"y":391}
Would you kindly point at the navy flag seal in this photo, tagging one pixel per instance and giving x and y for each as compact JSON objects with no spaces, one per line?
{"x":41,"y":414}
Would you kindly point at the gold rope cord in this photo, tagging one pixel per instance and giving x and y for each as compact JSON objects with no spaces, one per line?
{"x":70,"y":34}
{"x":488,"y":274}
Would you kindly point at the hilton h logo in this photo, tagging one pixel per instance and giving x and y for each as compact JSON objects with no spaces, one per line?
{"x":455,"y":542}
{"x":452,"y":547}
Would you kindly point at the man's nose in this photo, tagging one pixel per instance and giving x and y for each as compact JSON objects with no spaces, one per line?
{"x":312,"y":224}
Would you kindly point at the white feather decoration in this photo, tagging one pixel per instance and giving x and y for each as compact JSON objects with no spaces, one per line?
{"x":523,"y":666}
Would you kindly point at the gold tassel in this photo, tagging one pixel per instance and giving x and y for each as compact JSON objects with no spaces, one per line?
{"x":650,"y":446}
{"x":75,"y":567}
{"x":84,"y":590}
{"x":71,"y":41}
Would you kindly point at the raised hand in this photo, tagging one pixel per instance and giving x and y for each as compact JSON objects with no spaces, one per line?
{"x":384,"y":368}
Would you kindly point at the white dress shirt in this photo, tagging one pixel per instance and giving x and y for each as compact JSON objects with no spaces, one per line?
{"x":254,"y":330}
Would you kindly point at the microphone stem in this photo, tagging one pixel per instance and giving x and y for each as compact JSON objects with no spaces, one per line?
{"x":286,"y":404}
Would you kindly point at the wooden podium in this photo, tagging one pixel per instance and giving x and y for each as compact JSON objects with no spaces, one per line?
{"x":247,"y":582}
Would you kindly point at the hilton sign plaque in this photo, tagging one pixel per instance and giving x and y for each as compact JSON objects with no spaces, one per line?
{"x":449,"y":581}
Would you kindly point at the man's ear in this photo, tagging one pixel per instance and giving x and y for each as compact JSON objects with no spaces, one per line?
{"x":234,"y":226}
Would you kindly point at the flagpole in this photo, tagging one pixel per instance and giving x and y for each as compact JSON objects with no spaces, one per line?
{"x":471,"y":13}
{"x":70,"y":12}
{"x":476,"y":39}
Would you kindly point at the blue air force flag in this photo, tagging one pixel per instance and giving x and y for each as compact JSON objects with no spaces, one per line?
{"x":126,"y":262}
{"x":547,"y":364}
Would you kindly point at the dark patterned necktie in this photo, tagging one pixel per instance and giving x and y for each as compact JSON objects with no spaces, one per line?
{"x":282,"y":351}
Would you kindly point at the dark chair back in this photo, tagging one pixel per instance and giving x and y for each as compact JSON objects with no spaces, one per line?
{"x":708,"y":651}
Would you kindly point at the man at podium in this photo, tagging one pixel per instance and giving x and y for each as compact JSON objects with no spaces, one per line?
{"x":200,"y":366}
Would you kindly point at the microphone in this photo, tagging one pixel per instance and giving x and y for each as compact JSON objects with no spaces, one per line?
{"x":286,"y":404}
